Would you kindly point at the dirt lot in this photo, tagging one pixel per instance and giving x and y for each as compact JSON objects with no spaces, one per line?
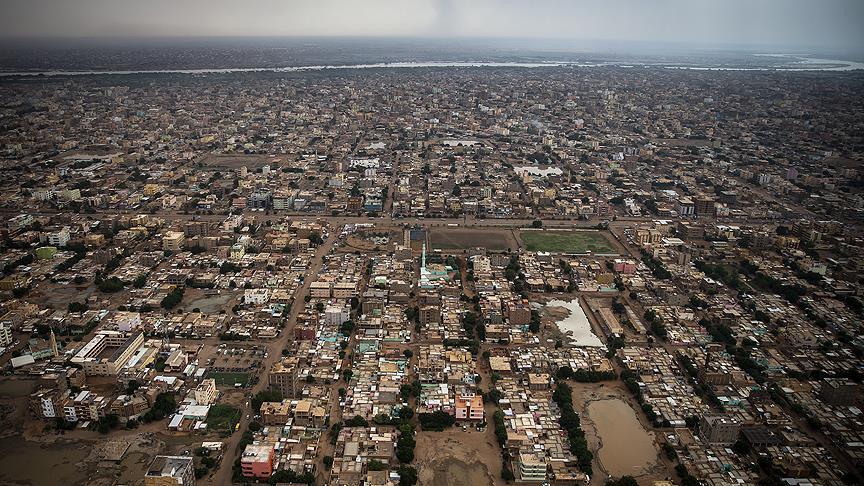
{"x":231,"y":357}
{"x":59,"y":296}
{"x":235,"y":161}
{"x":208,"y":302}
{"x":682,"y":142}
{"x":458,"y":458}
{"x":464,"y":238}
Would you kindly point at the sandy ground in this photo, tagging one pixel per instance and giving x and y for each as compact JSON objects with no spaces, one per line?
{"x":458,"y":458}
{"x":464,"y":238}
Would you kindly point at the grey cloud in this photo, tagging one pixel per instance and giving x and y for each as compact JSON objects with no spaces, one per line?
{"x":833,"y":23}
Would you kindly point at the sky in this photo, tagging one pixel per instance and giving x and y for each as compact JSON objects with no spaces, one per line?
{"x":817,"y":23}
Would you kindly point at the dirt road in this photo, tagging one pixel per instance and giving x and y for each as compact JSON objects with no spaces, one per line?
{"x":274,"y":349}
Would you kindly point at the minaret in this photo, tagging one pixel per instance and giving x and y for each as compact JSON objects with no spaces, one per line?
{"x":423,"y":259}
{"x":53,"y":340}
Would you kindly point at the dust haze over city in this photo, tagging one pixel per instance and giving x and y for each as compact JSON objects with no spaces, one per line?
{"x":429,"y":242}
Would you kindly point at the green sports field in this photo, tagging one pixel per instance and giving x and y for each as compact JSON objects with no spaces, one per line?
{"x":567,"y":241}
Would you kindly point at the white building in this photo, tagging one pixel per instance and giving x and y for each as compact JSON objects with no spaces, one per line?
{"x":5,"y":335}
{"x":206,"y":393}
{"x":59,"y":238}
{"x":46,"y":404}
{"x":334,"y":316}
{"x":256,"y":296}
{"x":108,"y":352}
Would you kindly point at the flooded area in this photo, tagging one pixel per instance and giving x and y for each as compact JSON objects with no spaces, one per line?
{"x":57,"y":463}
{"x":626,"y":448}
{"x":575,"y":323}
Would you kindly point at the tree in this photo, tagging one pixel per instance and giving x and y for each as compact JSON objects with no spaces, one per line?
{"x":163,"y":406}
{"x":407,"y":476}
{"x":537,"y":223}
{"x":132,"y":386}
{"x":406,"y":413}
{"x":622,"y":481}
{"x":173,"y":298}
{"x":289,"y":476}
{"x":357,"y":421}
{"x":406,"y":443}
{"x":77,"y":307}
{"x":436,"y":421}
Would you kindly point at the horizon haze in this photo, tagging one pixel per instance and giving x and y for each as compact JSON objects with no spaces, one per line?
{"x":790,"y":24}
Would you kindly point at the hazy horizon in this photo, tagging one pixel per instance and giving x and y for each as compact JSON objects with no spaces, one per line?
{"x":794,"y":24}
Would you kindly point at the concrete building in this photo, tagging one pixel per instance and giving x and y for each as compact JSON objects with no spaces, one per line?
{"x":530,"y":467}
{"x":705,"y":207}
{"x":170,"y":471}
{"x":718,"y":429}
{"x":469,"y":407}
{"x":59,"y":238}
{"x":107,"y":352}
{"x":257,"y":461}
{"x":5,"y":335}
{"x":335,"y":316}
{"x":206,"y":392}
{"x":173,"y":241}
{"x":283,"y":377}
{"x":841,"y":392}
{"x":345,"y":290}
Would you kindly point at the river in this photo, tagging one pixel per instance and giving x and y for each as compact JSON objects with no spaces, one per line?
{"x":796,"y":63}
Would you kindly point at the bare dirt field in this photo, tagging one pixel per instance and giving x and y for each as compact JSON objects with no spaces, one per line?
{"x":682,"y":142}
{"x":458,"y":458}
{"x":59,"y":296}
{"x":235,"y":161}
{"x":209,"y":303}
{"x":464,"y":238}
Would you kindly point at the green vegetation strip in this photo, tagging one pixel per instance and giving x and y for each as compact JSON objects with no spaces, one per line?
{"x":570,"y":422}
{"x":228,"y":378}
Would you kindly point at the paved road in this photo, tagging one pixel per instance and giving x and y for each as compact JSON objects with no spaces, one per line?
{"x":346,"y":219}
{"x":274,"y":350}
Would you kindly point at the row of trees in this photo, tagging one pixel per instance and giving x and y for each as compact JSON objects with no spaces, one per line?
{"x":570,"y":422}
{"x":173,"y":298}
